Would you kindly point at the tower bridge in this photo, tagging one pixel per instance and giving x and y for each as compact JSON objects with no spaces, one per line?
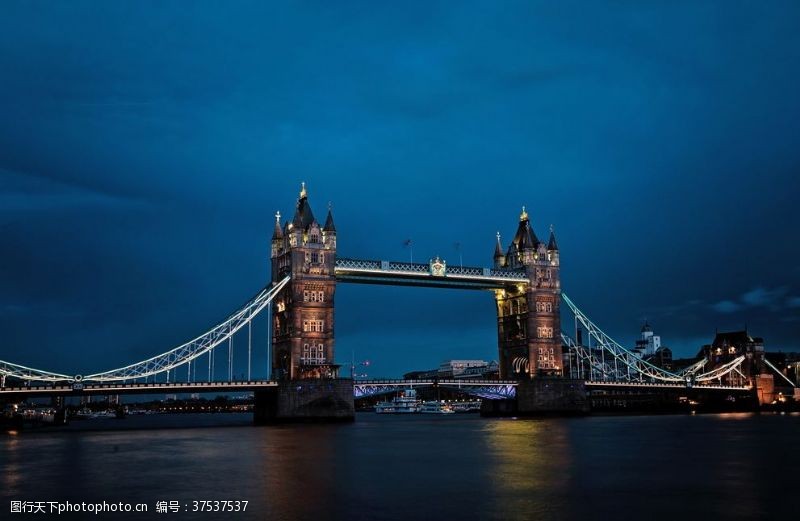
{"x":538,"y":361}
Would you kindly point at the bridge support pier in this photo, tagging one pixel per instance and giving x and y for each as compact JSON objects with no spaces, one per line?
{"x":542,"y":396}
{"x":765,"y":388}
{"x":323,"y":400}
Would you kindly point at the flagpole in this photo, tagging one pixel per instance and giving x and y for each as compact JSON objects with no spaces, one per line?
{"x":410,"y":245}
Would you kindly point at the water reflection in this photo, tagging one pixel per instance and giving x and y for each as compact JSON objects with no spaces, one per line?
{"x":529,"y":467}
{"x":298,"y":471}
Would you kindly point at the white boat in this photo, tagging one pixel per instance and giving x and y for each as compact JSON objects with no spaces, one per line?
{"x":470,"y":406}
{"x":108,"y":413}
{"x":405,"y":402}
{"x":435,"y":407}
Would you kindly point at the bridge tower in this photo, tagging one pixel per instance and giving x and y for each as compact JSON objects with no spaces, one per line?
{"x":302,"y":315}
{"x":528,"y":316}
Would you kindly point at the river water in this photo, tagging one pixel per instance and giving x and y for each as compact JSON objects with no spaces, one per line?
{"x":454,"y":467}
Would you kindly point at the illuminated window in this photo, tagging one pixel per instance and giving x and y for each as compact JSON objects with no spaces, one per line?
{"x":313,"y":353}
{"x":544,"y":332}
{"x":313,"y":326}
{"x":313,"y":295}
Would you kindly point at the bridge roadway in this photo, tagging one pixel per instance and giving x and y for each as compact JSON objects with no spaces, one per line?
{"x":136,"y":388}
{"x":599,"y":384}
{"x":493,"y":389}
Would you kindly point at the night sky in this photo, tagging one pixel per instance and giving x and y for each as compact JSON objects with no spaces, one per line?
{"x":145,"y":147}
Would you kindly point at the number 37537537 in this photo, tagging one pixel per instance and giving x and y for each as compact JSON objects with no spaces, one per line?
{"x":219,"y":506}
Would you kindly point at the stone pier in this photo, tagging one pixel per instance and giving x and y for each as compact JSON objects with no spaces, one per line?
{"x":320,"y":400}
{"x":542,"y":396}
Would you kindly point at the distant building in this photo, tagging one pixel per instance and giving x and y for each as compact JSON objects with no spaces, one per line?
{"x":488,"y":371}
{"x":429,"y":374}
{"x":649,"y":343}
{"x":662,"y":358}
{"x":648,"y":347}
{"x":455,"y":368}
{"x":730,"y":345}
{"x":471,"y":369}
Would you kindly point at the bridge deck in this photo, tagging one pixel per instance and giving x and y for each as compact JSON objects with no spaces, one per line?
{"x":137,"y":388}
{"x":359,"y":386}
{"x":659,"y":385}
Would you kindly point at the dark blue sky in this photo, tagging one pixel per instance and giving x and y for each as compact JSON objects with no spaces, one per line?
{"x":144,"y":148}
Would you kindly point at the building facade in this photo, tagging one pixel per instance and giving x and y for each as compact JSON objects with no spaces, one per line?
{"x":648,"y":343}
{"x":302,"y":315}
{"x":528,"y":317}
{"x":729,"y":345}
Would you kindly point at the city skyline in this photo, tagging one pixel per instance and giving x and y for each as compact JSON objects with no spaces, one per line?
{"x":140,"y":181}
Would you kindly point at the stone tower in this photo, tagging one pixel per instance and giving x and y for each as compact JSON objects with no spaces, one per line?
{"x":302,"y":315}
{"x":528,"y":316}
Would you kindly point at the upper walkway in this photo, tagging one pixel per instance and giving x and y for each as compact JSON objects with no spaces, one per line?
{"x":431,"y":274}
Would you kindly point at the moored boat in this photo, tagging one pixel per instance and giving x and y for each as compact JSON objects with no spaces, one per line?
{"x":406,"y":402}
{"x":436,"y":407}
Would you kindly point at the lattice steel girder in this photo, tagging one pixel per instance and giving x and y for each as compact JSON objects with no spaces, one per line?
{"x":8,"y":369}
{"x":617,"y":351}
{"x":490,"y":389}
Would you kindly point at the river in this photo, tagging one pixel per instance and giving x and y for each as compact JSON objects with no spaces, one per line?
{"x":454,"y":467}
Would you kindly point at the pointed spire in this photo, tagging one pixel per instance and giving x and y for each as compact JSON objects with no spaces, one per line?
{"x":329,"y":226}
{"x":525,"y":236}
{"x":498,"y":248}
{"x":277,"y":233}
{"x":552,"y":245}
{"x":529,"y":239}
{"x":303,"y":216}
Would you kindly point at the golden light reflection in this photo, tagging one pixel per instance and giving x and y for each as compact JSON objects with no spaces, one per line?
{"x":12,"y":469}
{"x":530,"y":464}
{"x":299,"y":462}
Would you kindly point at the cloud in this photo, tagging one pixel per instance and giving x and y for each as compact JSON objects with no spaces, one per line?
{"x":756,"y":297}
{"x":726,"y":306}
{"x":762,"y":297}
{"x":26,"y":192}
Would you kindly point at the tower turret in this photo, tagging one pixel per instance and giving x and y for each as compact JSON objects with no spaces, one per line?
{"x":552,"y":248}
{"x":551,"y":244}
{"x":277,"y":236}
{"x":329,"y":231}
{"x":499,"y":258}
